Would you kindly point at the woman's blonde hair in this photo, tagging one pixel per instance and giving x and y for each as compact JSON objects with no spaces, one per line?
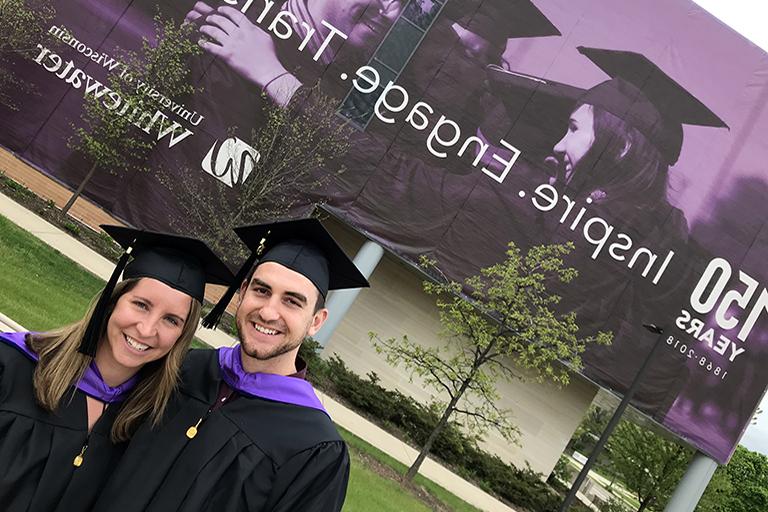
{"x":61,"y":366}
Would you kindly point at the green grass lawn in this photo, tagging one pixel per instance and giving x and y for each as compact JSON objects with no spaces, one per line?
{"x":41,"y":289}
{"x":357,"y":444}
{"x":368,"y":491}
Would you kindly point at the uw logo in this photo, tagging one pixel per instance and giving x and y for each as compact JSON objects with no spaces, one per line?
{"x":231,"y":161}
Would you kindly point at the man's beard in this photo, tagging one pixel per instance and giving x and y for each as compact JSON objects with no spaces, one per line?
{"x":271,"y":353}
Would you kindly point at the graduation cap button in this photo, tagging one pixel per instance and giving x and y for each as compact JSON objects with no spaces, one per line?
{"x":192,"y":431}
{"x":79,"y":457}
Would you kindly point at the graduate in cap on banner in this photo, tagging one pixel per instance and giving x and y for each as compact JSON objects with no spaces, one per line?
{"x":634,"y":122}
{"x":70,"y":397}
{"x":410,"y":194}
{"x":466,"y":36}
{"x":611,"y":148}
{"x":247,"y":432}
{"x":636,"y":119}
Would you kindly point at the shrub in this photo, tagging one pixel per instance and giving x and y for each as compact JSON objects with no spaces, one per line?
{"x":414,"y":421}
{"x":16,"y":189}
{"x":73,"y":228}
{"x":614,"y":505}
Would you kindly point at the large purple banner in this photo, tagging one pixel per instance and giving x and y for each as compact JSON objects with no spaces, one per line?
{"x":633,"y":129}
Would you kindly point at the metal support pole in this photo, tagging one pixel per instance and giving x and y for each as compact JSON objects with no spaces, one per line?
{"x":614,"y":419}
{"x":692,"y":485}
{"x":339,"y":301}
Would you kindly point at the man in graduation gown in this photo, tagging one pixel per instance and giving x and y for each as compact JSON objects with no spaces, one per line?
{"x":246,"y":431}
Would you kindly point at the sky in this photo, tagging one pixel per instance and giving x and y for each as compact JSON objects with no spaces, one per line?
{"x":748,"y":18}
{"x":745,"y":16}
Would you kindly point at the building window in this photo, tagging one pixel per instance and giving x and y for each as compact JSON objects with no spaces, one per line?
{"x":392,"y":55}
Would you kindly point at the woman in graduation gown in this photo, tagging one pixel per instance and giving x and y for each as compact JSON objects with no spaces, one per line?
{"x":70,"y":397}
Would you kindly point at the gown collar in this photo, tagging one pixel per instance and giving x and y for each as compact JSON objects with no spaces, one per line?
{"x":280,"y":388}
{"x":92,"y":383}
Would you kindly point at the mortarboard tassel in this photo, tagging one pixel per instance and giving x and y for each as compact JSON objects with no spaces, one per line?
{"x":91,"y":337}
{"x":212,"y":319}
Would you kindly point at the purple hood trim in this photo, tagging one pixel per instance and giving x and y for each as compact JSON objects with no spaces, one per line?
{"x":92,"y":384}
{"x":280,"y":388}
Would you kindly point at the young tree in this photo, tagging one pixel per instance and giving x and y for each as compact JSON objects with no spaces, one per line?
{"x":510,"y":317}
{"x":23,"y":25}
{"x":121,"y":138}
{"x":298,"y":148}
{"x":649,"y":465}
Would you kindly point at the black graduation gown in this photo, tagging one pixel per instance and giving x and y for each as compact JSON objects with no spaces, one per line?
{"x":37,"y":448}
{"x":250,"y":454}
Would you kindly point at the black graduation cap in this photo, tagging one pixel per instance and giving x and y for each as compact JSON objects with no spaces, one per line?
{"x":639,"y":92}
{"x":647,"y":98}
{"x":182,"y":263}
{"x":303,"y":246}
{"x":499,"y":20}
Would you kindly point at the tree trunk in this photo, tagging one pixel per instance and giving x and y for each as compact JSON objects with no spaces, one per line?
{"x":443,"y":422}
{"x":79,"y":190}
{"x":645,"y":502}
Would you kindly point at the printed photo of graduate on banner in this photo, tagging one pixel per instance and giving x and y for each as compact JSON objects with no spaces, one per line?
{"x":632,"y":129}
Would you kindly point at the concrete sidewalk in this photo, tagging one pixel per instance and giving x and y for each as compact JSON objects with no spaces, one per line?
{"x":343,"y":416}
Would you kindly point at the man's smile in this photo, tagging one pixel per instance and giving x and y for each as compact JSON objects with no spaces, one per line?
{"x":265,"y":330}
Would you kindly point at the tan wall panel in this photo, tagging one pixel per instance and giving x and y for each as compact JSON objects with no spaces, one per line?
{"x":396,"y":305}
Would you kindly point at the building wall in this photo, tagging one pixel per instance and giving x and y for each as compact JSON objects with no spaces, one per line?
{"x":396,"y":305}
